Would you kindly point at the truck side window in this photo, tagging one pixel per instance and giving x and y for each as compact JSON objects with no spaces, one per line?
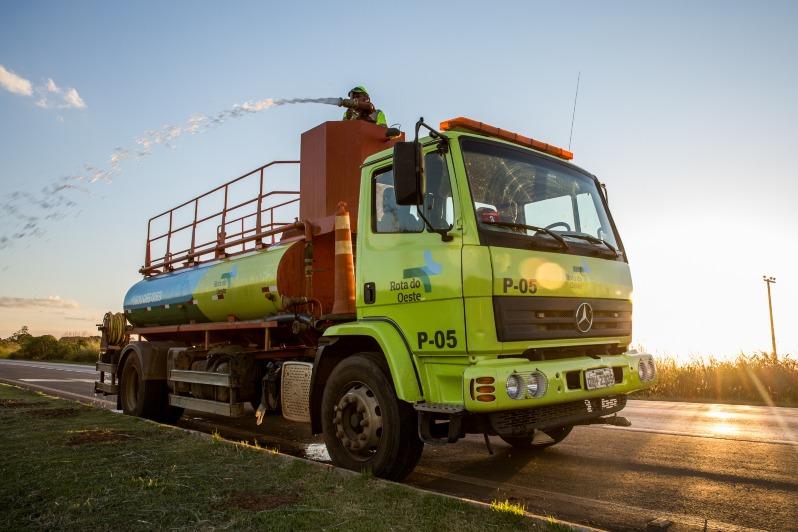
{"x":387,"y":215}
{"x":438,"y":202}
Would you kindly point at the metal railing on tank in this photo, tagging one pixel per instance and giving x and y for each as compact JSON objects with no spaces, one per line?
{"x":246,"y":225}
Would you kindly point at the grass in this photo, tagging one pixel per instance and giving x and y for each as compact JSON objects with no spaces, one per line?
{"x":67,"y":466}
{"x":750,"y":379}
{"x":508,"y":507}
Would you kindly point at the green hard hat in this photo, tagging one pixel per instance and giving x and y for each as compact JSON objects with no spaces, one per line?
{"x":359,"y":88}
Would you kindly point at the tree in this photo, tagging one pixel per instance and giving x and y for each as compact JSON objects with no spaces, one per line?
{"x":21,"y":336}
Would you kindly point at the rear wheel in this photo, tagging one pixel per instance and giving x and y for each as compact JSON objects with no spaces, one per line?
{"x":145,"y":398}
{"x":366,"y":427}
{"x":546,"y":438}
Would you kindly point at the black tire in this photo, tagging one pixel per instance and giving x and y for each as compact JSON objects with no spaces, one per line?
{"x":145,"y":398}
{"x":391,"y":450}
{"x":556,"y":435}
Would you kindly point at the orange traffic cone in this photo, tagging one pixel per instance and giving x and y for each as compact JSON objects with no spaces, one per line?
{"x":344,"y":264}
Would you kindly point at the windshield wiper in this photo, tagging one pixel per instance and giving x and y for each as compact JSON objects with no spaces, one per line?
{"x":535,"y":228}
{"x":595,"y":240}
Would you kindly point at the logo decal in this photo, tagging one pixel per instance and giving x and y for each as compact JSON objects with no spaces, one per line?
{"x":226,"y":278}
{"x":584,"y":317}
{"x":424,"y":272}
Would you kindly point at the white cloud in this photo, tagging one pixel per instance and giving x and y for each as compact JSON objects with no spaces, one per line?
{"x":30,"y":302}
{"x":54,"y":97}
{"x":14,"y":83}
{"x":49,"y":95}
{"x":74,"y":100}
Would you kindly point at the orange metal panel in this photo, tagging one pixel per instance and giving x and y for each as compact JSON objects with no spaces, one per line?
{"x":331,"y":156}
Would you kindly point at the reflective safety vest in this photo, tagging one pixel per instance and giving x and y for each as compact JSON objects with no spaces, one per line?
{"x":377,"y":117}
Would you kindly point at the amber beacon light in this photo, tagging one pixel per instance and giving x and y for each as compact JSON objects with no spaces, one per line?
{"x":486,"y":129}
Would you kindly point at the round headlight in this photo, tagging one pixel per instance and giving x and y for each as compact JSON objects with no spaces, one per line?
{"x":646,"y":369}
{"x":514,"y":387}
{"x":536,"y":385}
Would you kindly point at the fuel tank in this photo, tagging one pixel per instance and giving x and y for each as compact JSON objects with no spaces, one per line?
{"x":245,"y":287}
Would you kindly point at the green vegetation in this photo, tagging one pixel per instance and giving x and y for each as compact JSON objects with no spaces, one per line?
{"x":508,"y":507}
{"x":67,"y":466}
{"x":751,"y":379}
{"x":23,"y":345}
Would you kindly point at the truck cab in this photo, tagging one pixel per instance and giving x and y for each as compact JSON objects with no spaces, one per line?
{"x":501,"y":291}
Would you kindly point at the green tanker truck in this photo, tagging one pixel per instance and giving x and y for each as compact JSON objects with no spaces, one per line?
{"x":410,"y":293}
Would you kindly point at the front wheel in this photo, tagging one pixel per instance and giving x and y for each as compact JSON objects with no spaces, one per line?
{"x":547,"y":438}
{"x":366,"y":427}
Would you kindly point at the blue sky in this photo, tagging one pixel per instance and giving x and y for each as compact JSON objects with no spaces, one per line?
{"x":686,"y":110}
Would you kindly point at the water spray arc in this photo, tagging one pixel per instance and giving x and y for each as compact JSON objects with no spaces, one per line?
{"x":26,"y":214}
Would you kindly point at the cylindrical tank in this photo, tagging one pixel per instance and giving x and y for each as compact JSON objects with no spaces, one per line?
{"x":245,"y":287}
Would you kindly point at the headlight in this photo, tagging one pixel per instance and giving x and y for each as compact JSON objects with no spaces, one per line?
{"x":526,"y":385}
{"x":646,"y":369}
{"x":514,"y":387}
{"x":536,"y":385}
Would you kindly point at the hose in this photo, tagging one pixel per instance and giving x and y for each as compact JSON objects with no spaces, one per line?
{"x":115,"y":326}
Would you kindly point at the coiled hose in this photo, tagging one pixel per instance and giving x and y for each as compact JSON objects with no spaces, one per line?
{"x":115,"y":326}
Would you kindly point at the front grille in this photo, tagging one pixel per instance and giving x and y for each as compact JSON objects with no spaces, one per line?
{"x":547,"y":318}
{"x":522,"y":422}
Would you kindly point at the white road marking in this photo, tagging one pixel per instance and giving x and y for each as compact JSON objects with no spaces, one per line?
{"x":57,"y":380}
{"x":73,"y":368}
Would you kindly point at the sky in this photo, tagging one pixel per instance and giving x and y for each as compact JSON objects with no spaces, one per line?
{"x":686,"y":110}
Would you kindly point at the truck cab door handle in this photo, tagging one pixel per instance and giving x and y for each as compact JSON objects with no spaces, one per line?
{"x":369,"y":293}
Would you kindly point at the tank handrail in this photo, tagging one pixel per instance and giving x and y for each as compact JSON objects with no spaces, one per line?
{"x":265,"y":225}
{"x":214,"y":215}
{"x":165,"y":262}
{"x":283,"y":204}
{"x":220,"y":187}
{"x":251,"y":230}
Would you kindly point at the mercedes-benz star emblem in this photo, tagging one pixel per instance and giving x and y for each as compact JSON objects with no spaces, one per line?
{"x":584,"y":317}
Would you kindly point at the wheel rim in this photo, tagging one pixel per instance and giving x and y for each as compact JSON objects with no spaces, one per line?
{"x":130,"y":388}
{"x":358,"y":421}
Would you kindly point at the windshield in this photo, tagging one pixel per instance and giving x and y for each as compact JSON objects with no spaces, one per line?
{"x":517,"y":189}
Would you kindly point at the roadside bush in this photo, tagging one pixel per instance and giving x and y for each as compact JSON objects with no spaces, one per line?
{"x":759,"y":378}
{"x":48,"y":348}
{"x":7,"y":347}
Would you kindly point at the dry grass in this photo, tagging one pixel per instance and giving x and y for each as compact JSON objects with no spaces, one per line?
{"x":752,"y":379}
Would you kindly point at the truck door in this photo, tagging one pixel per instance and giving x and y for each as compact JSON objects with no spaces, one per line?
{"x":406,"y":273}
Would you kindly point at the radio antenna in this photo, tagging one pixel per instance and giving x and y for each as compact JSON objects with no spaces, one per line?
{"x":573,"y":114}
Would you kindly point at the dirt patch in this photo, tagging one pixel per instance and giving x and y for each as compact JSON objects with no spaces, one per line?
{"x":259,"y":501}
{"x":14,"y":403}
{"x":83,"y":437}
{"x":53,"y":412}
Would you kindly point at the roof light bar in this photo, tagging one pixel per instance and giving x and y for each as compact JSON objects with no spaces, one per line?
{"x":480,"y":127}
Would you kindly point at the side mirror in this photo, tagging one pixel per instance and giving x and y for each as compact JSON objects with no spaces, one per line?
{"x":407,"y":172}
{"x":392,"y":133}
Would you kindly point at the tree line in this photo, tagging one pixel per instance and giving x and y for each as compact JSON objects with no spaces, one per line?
{"x":23,"y":345}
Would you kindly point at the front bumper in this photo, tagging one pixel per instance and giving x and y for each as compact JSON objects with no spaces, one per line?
{"x":564,"y":380}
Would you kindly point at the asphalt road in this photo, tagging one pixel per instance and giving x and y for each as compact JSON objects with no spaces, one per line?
{"x":727,"y":467}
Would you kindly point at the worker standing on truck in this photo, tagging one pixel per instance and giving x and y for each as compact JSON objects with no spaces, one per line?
{"x":359,"y":107}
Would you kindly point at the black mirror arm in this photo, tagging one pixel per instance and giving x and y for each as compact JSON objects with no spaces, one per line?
{"x":443,"y":142}
{"x":445,"y":236}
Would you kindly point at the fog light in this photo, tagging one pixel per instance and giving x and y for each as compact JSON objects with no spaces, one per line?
{"x":514,"y":387}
